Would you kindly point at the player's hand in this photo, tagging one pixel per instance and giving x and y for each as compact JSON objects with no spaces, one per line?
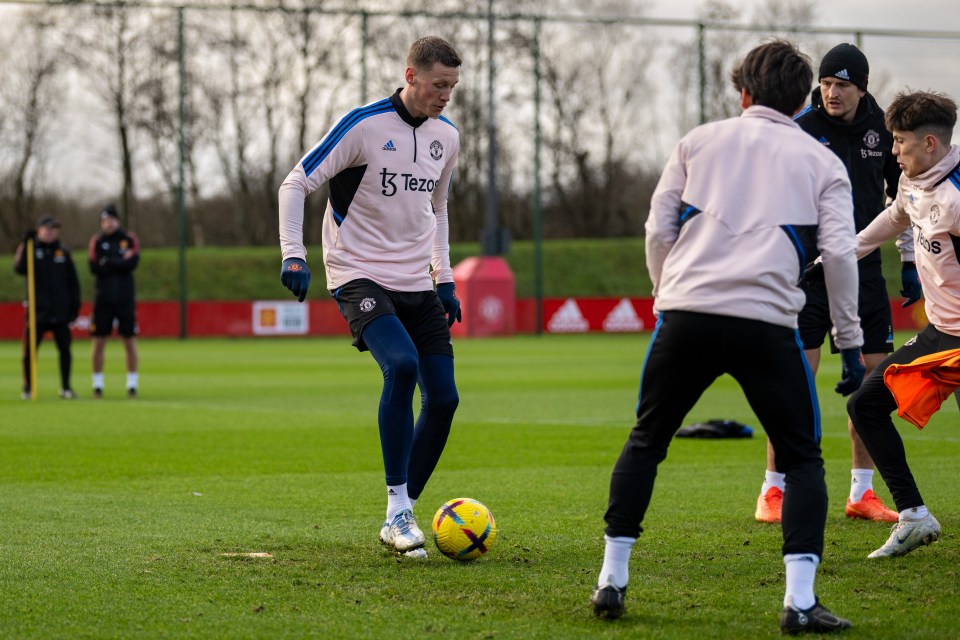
{"x":813,"y":274}
{"x":447,"y":292}
{"x":30,"y":235}
{"x":853,"y":370}
{"x":295,"y":276}
{"x":910,"y":280}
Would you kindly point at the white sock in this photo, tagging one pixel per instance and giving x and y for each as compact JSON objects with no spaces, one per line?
{"x":132,"y":379}
{"x":861,"y":481}
{"x":98,"y":380}
{"x":397,"y":500}
{"x":915,"y":513}
{"x":772,"y":479}
{"x":413,"y":503}
{"x":801,"y":572}
{"x":616,"y":561}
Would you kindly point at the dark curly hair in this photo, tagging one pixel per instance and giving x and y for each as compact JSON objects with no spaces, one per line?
{"x":775,"y":74}
{"x":923,"y":111}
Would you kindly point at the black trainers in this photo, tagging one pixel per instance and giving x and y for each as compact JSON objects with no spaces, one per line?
{"x":97,"y":393}
{"x":607,"y":601}
{"x":816,"y":619}
{"x":132,"y":392}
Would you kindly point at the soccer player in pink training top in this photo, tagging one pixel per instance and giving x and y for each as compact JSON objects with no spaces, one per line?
{"x":928,"y":199}
{"x":740,"y":205}
{"x":389,"y":165}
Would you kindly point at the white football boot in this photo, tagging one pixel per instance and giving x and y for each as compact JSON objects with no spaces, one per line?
{"x":402,"y":533}
{"x":907,"y":535}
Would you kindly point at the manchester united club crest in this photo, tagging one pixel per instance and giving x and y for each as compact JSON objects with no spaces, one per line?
{"x":436,"y":150}
{"x":934,"y":214}
{"x":871,"y":139}
{"x":367,"y":305}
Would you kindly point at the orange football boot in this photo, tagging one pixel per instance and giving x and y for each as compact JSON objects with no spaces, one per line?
{"x":769,"y":506}
{"x":868,"y":508}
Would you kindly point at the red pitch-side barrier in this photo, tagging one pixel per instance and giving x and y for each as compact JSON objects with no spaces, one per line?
{"x":236,"y":319}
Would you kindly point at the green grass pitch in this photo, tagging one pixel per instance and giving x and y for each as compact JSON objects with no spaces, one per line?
{"x":115,"y":515}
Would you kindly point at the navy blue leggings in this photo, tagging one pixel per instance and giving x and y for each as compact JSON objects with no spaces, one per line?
{"x":410,"y":451}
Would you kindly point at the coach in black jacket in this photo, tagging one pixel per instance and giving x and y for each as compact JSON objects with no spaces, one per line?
{"x":57,"y":294}
{"x":847,"y":120}
{"x":114,"y":254}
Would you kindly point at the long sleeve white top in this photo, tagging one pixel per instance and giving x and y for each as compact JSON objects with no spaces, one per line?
{"x":386,"y":218}
{"x":736,"y":215}
{"x":930,"y":204}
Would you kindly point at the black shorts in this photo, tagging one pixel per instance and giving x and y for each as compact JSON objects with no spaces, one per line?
{"x":421,"y":314}
{"x":876,"y":319}
{"x":105,"y":314}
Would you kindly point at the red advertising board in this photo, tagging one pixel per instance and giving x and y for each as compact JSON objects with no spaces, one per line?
{"x":234,"y":319}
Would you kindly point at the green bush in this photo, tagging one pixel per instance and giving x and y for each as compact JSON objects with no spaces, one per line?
{"x":583,"y":268}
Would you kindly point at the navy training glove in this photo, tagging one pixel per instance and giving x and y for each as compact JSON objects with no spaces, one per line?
{"x":447,"y":292}
{"x":852,"y":372}
{"x":295,"y":276}
{"x":910,"y":280}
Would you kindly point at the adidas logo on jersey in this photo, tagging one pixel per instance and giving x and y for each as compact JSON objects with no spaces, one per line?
{"x":389,"y":146}
{"x":843,"y":74}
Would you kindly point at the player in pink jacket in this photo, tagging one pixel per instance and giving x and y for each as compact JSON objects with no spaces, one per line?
{"x":389,"y":165}
{"x":928,"y":199}
{"x":738,"y":209}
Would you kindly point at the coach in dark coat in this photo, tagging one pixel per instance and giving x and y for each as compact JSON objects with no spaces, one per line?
{"x":57,"y":293}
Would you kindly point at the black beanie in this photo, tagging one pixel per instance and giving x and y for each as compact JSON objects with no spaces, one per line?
{"x":109,"y":211}
{"x":846,"y":62}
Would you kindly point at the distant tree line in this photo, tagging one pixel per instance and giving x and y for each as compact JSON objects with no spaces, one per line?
{"x":89,"y":113}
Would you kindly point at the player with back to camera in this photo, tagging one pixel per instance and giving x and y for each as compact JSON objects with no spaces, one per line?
{"x":389,"y":165}
{"x":726,"y":271}
{"x":113,"y":255}
{"x":57,"y":294}
{"x":847,"y":120}
{"x":928,"y":198}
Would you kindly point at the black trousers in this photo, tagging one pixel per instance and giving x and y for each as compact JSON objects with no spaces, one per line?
{"x":61,"y":335}
{"x":688,"y":351}
{"x":870,"y":408}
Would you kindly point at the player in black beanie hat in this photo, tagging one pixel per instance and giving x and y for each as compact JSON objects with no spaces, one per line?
{"x":847,"y":120}
{"x":846,"y":62}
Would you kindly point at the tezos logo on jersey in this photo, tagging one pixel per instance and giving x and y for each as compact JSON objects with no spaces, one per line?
{"x":871,"y":139}
{"x":408,"y":182}
{"x":436,"y":150}
{"x":367,"y":304}
{"x":933,"y":246}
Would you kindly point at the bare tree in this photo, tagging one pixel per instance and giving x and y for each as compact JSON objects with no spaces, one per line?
{"x":28,"y":105}
{"x":316,"y":57}
{"x":722,"y":49}
{"x":591,"y":104}
{"x":108,"y":53}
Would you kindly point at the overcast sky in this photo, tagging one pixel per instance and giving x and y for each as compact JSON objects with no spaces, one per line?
{"x":940,"y":15}
{"x":896,"y":63}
